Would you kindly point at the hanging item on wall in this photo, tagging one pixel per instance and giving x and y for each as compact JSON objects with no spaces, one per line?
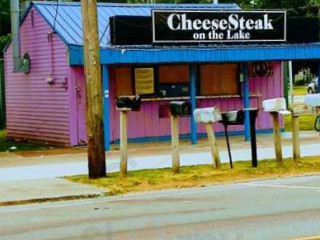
{"x":261,"y":69}
{"x":144,"y":80}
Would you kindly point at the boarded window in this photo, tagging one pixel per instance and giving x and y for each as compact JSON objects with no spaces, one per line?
{"x":123,"y":81}
{"x":219,"y":79}
{"x":173,"y":74}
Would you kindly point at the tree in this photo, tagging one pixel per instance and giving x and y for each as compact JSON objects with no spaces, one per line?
{"x":4,"y":17}
{"x":4,"y":24}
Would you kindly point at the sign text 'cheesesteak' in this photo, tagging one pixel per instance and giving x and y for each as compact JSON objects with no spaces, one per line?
{"x":218,"y":26}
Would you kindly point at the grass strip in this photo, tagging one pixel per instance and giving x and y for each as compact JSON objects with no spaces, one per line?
{"x":197,"y":176}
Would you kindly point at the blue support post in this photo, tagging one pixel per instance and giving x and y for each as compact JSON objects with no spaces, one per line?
{"x":319,"y":86}
{"x":106,"y":107}
{"x":193,"y":101}
{"x":246,"y":100}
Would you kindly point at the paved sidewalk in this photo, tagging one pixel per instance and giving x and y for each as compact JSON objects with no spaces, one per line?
{"x":17,"y":190}
{"x":152,"y":156}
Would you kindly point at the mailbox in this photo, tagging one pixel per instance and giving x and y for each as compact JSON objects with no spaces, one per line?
{"x":132,"y":103}
{"x":275,"y":105}
{"x":180,"y":108}
{"x":233,"y":117}
{"x":313,"y":100}
{"x":207,"y":115}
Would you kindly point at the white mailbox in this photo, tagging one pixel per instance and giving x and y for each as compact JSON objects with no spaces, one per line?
{"x":312,"y":100}
{"x":275,"y":105}
{"x":207,"y":115}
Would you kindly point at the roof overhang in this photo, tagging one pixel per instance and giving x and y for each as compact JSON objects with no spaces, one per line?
{"x":200,"y":54}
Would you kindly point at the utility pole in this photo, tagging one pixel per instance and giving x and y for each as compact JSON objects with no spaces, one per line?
{"x":94,"y":108}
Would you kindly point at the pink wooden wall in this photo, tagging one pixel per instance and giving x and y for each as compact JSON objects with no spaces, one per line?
{"x":36,"y":110}
{"x":147,"y":123}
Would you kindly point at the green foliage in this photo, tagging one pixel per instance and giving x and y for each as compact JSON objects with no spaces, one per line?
{"x":4,"y":17}
{"x":300,"y":82}
{"x":3,"y":42}
{"x":6,"y":144}
{"x":4,"y":24}
{"x":306,"y":122}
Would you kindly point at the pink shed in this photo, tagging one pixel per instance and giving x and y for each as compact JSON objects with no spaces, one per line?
{"x":36,"y":110}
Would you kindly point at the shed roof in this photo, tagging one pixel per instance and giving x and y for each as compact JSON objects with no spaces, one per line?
{"x":65,"y":18}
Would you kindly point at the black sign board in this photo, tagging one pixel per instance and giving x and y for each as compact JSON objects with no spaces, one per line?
{"x":191,"y":26}
{"x":303,"y":29}
{"x":130,"y":30}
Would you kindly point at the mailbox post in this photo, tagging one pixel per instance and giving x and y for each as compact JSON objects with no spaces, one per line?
{"x":237,"y":118}
{"x":209,"y":116}
{"x":295,"y":137}
{"x":231,"y":118}
{"x":253,"y":113}
{"x":275,"y":107}
{"x":177,"y":109}
{"x":123,"y":142}
{"x":175,"y":143}
{"x":125,"y":104}
{"x":277,"y":137}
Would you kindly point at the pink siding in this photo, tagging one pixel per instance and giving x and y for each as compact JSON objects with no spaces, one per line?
{"x":77,"y":91}
{"x":36,"y":110}
{"x":147,"y":123}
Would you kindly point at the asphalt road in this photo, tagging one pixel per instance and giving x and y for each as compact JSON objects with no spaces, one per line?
{"x":276,"y":209}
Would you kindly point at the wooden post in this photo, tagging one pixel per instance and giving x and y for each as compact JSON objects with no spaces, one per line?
{"x":277,"y":137}
{"x":295,"y":138}
{"x":106,"y":107}
{"x":213,"y":145}
{"x":175,"y":144}
{"x":193,"y":101}
{"x":123,"y":144}
{"x":317,"y":108}
{"x":246,"y":100}
{"x":291,"y":93}
{"x":94,"y":107}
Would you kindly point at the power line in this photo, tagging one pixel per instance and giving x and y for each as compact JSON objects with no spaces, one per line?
{"x":104,"y":32}
{"x":56,"y":15}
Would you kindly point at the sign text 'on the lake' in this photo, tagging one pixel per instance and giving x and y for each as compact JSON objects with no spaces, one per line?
{"x":218,"y":26}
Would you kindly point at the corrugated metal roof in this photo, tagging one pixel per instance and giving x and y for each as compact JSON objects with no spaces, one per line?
{"x":66,"y":18}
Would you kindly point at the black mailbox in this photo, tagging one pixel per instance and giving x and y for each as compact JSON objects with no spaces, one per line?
{"x":233,"y":118}
{"x":132,"y":103}
{"x":180,"y":108}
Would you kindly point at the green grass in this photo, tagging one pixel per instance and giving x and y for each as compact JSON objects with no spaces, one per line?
{"x":197,"y":176}
{"x":6,"y":144}
{"x":300,"y":90}
{"x":306,"y":122}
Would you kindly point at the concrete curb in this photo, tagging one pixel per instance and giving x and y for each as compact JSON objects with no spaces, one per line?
{"x":19,"y":192}
{"x":54,"y":199}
